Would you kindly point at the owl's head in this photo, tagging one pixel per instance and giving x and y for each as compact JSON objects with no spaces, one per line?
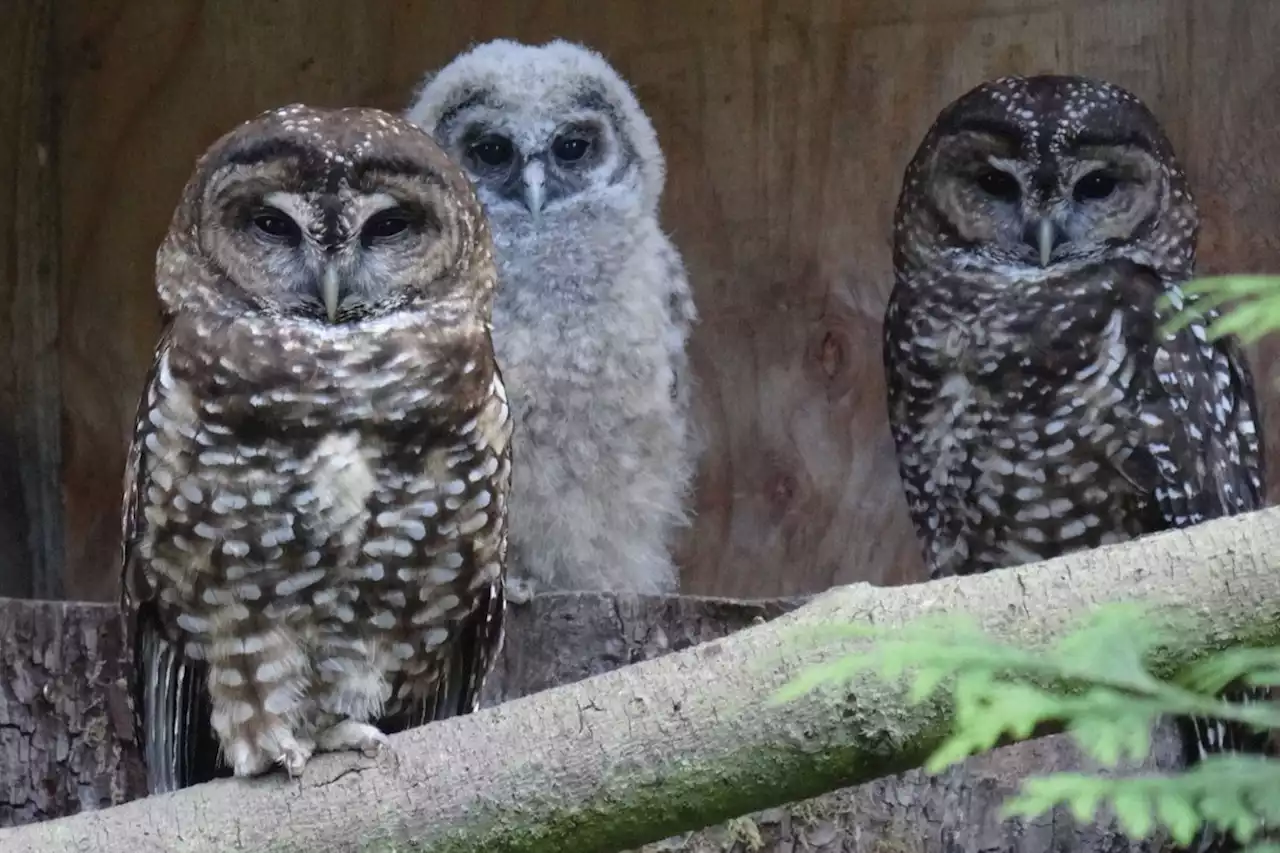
{"x":543,"y":131}
{"x":1040,"y":171}
{"x":332,"y":215}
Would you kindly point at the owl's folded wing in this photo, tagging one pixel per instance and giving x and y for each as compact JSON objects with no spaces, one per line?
{"x":167,"y":689}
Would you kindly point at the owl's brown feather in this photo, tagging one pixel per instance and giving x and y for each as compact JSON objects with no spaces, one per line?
{"x":1048,"y":417}
{"x":1036,"y":405}
{"x":315,"y":509}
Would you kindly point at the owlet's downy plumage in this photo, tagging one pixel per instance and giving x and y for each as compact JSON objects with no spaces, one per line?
{"x":1035,"y":405}
{"x":592,"y":315}
{"x":315,"y":500}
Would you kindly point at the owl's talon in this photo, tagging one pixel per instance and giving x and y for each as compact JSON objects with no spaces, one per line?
{"x":294,"y":757}
{"x":293,"y":762}
{"x":364,"y":738}
{"x":247,"y":762}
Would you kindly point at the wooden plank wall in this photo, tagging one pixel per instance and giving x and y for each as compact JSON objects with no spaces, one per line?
{"x":30,"y":440}
{"x":786,"y":126}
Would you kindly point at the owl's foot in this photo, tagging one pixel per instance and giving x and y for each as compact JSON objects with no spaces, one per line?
{"x":294,"y":757}
{"x":351,"y":735}
{"x":245,"y":760}
{"x":255,"y":703}
{"x":248,"y":759}
{"x":518,"y":590}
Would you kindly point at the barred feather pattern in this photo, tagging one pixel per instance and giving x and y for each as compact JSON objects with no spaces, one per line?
{"x":1036,"y":407}
{"x":1050,"y":417}
{"x":317,"y":561}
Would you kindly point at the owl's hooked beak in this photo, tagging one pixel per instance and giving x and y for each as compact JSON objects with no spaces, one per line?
{"x":534,"y":179}
{"x":331,"y":290}
{"x":1045,"y":237}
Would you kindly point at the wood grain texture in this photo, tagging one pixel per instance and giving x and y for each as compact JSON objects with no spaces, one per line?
{"x":30,"y":483}
{"x":786,"y":127}
{"x":66,"y":738}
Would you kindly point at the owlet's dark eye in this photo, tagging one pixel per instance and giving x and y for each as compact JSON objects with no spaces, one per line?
{"x":276,"y":224}
{"x":493,"y":151}
{"x":999,"y":184}
{"x":570,"y":148}
{"x":385,"y":225}
{"x":1094,"y":186}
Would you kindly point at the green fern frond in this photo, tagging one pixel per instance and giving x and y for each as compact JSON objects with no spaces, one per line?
{"x":1096,"y":684}
{"x":1254,"y":300}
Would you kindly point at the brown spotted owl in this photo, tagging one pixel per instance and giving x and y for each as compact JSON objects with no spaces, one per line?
{"x":1036,"y":405}
{"x":315,"y":499}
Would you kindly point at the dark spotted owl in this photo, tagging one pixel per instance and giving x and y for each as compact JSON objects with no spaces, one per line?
{"x":1036,"y":407}
{"x":315,"y":500}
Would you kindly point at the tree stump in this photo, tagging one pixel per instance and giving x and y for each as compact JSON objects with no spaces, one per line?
{"x":66,"y":741}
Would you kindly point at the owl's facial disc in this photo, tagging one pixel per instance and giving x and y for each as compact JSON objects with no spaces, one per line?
{"x":336,"y":228}
{"x":533,"y":172}
{"x":327,"y":254}
{"x":1036,"y":208}
{"x":528,"y":160}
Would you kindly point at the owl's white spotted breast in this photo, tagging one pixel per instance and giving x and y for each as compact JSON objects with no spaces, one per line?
{"x":1050,"y":416}
{"x":339,"y":523}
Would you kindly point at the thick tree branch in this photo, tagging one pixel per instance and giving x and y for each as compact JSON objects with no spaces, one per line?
{"x":649,"y":750}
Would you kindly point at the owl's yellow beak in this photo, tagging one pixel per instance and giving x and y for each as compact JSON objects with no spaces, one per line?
{"x":1044,"y":236}
{"x":331,"y":291}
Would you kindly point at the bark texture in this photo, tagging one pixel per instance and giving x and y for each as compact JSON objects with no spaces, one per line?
{"x":633,"y":755}
{"x":957,"y":811}
{"x":65,"y":742}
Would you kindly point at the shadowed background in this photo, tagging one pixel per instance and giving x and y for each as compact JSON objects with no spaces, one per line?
{"x":786,"y":126}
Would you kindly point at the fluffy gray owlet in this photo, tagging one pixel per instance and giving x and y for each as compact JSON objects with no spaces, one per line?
{"x":315,"y":500}
{"x":592,"y":314}
{"x":1035,"y":405}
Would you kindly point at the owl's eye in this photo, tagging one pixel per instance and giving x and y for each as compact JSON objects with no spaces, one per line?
{"x":999,"y":184}
{"x":276,"y":225}
{"x":570,"y":148}
{"x":493,"y":151}
{"x":1094,"y":186}
{"x":385,"y":225}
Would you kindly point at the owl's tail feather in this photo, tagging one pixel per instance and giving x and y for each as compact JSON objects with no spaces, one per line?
{"x":1202,"y":737}
{"x":175,"y":739}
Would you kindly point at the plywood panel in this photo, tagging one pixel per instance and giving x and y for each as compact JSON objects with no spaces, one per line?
{"x":786,"y":126}
{"x":30,"y":493}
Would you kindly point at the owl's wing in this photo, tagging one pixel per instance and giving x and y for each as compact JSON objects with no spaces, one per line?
{"x":167,"y":690}
{"x":1202,"y":457}
{"x":1221,"y":404}
{"x":1199,"y":450}
{"x":463,"y":678}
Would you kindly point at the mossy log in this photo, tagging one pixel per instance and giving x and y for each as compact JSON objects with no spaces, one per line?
{"x":622,"y":722}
